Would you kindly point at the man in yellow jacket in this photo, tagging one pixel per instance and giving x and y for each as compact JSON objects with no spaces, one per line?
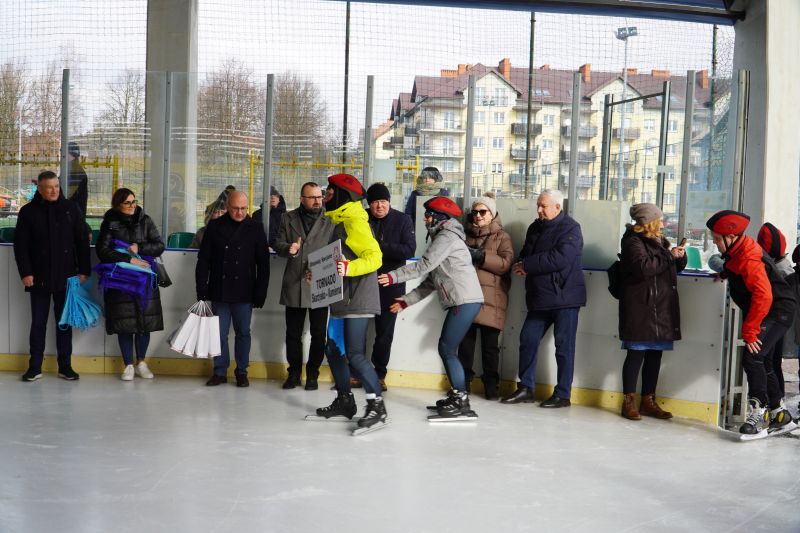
{"x":347,"y":329}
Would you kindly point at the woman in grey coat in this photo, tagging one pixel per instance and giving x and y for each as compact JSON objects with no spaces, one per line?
{"x":447,"y":268}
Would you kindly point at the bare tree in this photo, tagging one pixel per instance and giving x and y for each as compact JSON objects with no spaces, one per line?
{"x":230,"y":101}
{"x":12,"y":104}
{"x":44,"y":119}
{"x":299,"y":108}
{"x":124,"y":100}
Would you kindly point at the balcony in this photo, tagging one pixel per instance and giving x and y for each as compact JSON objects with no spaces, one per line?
{"x":521,"y":128}
{"x":630,"y":133}
{"x":411,"y":131}
{"x":440,"y":126}
{"x":439,"y":152}
{"x":583,"y":157}
{"x":586,"y":132}
{"x":627,"y":158}
{"x":584,"y":108}
{"x":518,"y":178}
{"x":627,"y":183}
{"x":518,"y":152}
{"x":584,"y":182}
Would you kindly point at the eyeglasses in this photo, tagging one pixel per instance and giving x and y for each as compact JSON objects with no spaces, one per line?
{"x":481,"y":212}
{"x":238,"y":208}
{"x":312,"y":197}
{"x":131,"y":203}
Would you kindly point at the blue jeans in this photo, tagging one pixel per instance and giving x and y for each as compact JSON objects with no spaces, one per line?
{"x":126,"y":346}
{"x":240,"y":314}
{"x":456,"y":324}
{"x":565,"y":326}
{"x":355,"y":341}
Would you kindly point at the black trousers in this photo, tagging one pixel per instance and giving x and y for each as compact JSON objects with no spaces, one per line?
{"x":761,"y":379}
{"x":318,"y":322}
{"x":40,"y":308}
{"x":635,"y":360}
{"x":777,"y":365}
{"x":384,"y":335}
{"x":490,"y":354}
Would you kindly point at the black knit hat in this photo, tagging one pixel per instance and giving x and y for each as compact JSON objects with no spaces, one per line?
{"x":378,"y":191}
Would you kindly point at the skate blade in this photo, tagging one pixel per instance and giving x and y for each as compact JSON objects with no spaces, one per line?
{"x":363,"y":431}
{"x":763,"y":434}
{"x":788,"y":428}
{"x":317,"y":418}
{"x":442,"y":419}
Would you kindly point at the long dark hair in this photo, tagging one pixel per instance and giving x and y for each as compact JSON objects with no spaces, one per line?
{"x":120,"y":195}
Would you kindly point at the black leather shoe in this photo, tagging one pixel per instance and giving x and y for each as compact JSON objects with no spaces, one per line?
{"x":523,"y":394}
{"x":291,"y":382}
{"x":554,"y":402}
{"x":311,"y":384}
{"x":216,"y":380}
{"x":242,"y":381}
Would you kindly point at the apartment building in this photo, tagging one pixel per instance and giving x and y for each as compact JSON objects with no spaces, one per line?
{"x":431,"y":121}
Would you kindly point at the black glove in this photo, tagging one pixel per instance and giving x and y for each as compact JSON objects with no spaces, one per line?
{"x":478,"y":255}
{"x":259,"y":304}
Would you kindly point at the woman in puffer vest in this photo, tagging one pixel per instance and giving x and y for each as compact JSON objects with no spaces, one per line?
{"x":446,"y":267}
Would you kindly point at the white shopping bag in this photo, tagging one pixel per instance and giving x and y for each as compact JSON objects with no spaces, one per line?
{"x":214,"y":342}
{"x":182,"y":336}
{"x":201,"y":349}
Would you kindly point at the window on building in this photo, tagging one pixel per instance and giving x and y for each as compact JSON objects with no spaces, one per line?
{"x":448,"y":165}
{"x":647,"y":197}
{"x":449,"y":145}
{"x":497,"y":143}
{"x":649,"y":124}
{"x":650,"y":147}
{"x":671,"y":149}
{"x":669,"y":198}
{"x":549,"y":120}
{"x":541,"y":92}
{"x":480,"y":95}
{"x":647,"y":173}
{"x":477,"y":167}
{"x":480,"y":117}
{"x":547,"y":144}
{"x":627,"y":122}
{"x":521,"y":168}
{"x":629,"y":107}
{"x":547,"y":170}
{"x":499,"y":117}
{"x":478,"y":142}
{"x":449,"y":119}
{"x":497,"y":168}
{"x":672,"y":125}
{"x":522,"y":118}
{"x":670,"y":176}
{"x":500,"y":97}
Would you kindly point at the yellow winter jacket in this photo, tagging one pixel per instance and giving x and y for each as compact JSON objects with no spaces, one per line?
{"x":359,"y":238}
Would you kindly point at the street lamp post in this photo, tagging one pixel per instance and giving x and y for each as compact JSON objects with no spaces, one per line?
{"x":623,"y":34}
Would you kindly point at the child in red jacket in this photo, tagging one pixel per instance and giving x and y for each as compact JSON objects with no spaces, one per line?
{"x":768,"y":305}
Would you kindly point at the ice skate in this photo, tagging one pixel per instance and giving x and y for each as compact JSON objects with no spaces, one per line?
{"x":757,"y":422}
{"x":780,"y":422}
{"x":343,"y":409}
{"x":374,"y":418}
{"x":442,"y":402}
{"x":455,"y":409}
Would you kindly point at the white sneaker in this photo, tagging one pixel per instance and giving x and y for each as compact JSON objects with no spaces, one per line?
{"x":143,"y":371}
{"x":127,"y":374}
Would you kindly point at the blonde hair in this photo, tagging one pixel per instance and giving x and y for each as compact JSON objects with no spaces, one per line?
{"x":650,"y":230}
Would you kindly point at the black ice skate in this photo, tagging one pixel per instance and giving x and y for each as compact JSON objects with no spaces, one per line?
{"x":780,"y":422}
{"x":342,"y":409}
{"x":444,"y":401}
{"x":374,"y":418}
{"x":756,"y":423}
{"x":455,"y":409}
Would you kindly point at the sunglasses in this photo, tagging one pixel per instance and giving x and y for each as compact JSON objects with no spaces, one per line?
{"x":481,"y":212}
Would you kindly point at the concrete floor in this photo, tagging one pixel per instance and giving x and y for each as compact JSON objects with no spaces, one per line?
{"x":172,"y":455}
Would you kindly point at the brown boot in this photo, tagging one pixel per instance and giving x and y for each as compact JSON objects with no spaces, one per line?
{"x":629,"y":407}
{"x":649,"y":407}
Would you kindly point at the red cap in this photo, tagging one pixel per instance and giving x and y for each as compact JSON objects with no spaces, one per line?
{"x":443,"y":204}
{"x":772,"y":240}
{"x":728,"y":222}
{"x":348,"y":183}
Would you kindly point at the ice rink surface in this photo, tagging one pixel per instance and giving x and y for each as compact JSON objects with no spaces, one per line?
{"x":171,"y":455}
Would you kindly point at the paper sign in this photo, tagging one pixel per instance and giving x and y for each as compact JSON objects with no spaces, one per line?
{"x":326,"y":283}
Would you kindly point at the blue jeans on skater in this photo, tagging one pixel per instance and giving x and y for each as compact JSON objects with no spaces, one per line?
{"x":240,"y":315}
{"x":456,"y":324}
{"x":565,"y":326}
{"x":126,"y":344}
{"x":355,"y":341}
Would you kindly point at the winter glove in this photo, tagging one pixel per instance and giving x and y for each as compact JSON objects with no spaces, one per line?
{"x":342,"y":266}
{"x":478,"y":255}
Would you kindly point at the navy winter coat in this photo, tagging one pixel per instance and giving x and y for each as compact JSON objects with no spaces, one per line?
{"x":395,"y":235}
{"x":551,"y":257}
{"x":233,"y":262}
{"x":275,"y":216}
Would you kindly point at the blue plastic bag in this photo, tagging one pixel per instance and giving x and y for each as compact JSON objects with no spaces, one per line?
{"x":335,"y":346}
{"x":80,"y":310}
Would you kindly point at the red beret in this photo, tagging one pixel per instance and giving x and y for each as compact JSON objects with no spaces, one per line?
{"x":348,"y":183}
{"x":772,"y":240}
{"x":443,"y":204}
{"x":728,"y":222}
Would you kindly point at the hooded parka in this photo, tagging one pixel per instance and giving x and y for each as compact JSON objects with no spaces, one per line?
{"x":493,"y":274}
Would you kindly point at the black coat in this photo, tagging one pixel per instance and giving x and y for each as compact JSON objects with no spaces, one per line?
{"x":551,"y":257}
{"x":275,"y":216}
{"x":395,"y":235}
{"x":123,"y":312}
{"x":233,"y":262}
{"x":51,"y":243}
{"x":648,"y":308}
{"x":78,"y":185}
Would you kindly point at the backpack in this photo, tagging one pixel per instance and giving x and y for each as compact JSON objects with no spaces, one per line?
{"x":616,"y":279}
